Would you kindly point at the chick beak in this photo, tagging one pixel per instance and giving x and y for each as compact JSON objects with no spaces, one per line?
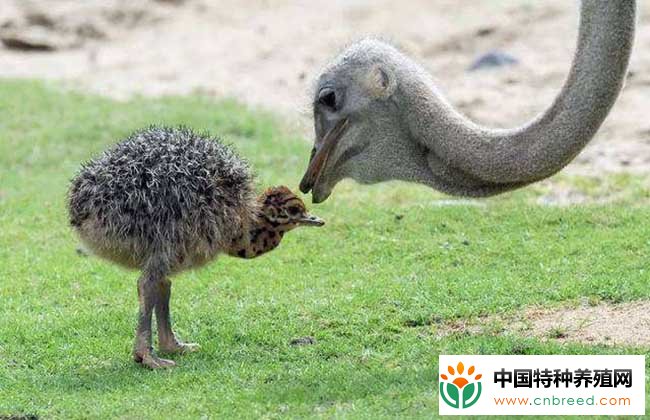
{"x":320,"y":155}
{"x":309,"y":220}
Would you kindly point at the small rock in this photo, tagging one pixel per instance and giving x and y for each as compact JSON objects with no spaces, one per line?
{"x":493,"y":59}
{"x":40,"y":19}
{"x":37,"y":38}
{"x":488,"y":30}
{"x":17,"y":42}
{"x":303,"y":341}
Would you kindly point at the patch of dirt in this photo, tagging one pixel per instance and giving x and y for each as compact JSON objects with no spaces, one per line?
{"x":303,"y":341}
{"x":268,"y":53}
{"x":67,"y":24}
{"x":624,"y":324}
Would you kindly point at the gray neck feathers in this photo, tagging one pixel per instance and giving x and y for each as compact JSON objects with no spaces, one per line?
{"x":469,"y":159}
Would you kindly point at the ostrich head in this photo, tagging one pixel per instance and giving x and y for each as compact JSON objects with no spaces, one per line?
{"x":283,"y":210}
{"x":356,"y":119}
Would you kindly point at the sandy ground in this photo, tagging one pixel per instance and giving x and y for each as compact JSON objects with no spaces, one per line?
{"x":267,"y":52}
{"x":622,"y":324}
{"x":625,"y":324}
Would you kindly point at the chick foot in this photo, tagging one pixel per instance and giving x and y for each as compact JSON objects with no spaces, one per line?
{"x":152,"y":361}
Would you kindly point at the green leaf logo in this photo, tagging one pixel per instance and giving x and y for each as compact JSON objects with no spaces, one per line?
{"x":460,"y":392}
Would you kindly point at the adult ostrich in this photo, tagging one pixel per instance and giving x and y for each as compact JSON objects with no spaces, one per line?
{"x":379,"y":117}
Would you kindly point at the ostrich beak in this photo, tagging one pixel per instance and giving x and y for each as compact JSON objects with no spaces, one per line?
{"x":320,"y":155}
{"x":309,"y":220}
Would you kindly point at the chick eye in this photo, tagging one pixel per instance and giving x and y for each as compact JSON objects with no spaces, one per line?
{"x":293,"y":210}
{"x":327,"y":97}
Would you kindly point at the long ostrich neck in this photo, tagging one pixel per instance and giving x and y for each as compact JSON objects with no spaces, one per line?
{"x":261,"y":238}
{"x":490,"y":160}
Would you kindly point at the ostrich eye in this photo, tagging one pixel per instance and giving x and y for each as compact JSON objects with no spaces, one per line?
{"x":293,"y":210}
{"x":327,"y":97}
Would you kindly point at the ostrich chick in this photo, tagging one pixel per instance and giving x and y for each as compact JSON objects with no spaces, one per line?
{"x":165,"y":200}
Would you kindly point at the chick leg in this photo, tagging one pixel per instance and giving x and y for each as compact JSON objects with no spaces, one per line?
{"x":148,"y":295}
{"x":167,"y":340}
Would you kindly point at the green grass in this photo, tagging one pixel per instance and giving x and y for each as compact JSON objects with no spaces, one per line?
{"x":373,"y":286}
